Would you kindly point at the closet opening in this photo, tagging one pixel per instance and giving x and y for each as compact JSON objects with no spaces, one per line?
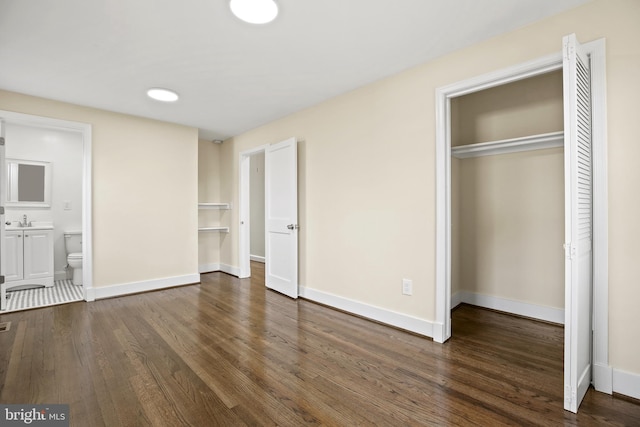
{"x":507,"y":225}
{"x":507,"y":198}
{"x":586,"y":207}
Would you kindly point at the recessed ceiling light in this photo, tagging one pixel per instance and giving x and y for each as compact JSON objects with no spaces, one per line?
{"x":164,"y":95}
{"x":254,"y":11}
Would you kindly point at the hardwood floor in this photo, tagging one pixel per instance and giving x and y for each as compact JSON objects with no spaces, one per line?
{"x":229,"y":352}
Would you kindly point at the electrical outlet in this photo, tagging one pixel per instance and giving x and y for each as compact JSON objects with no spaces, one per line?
{"x":407,"y":287}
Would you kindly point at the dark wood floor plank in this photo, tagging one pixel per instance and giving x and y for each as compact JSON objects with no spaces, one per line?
{"x":230,"y":352}
{"x":271,"y":404}
{"x":230,"y":375}
{"x":185,"y":393}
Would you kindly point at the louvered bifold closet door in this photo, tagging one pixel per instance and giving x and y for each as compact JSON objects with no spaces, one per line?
{"x":578,"y":222}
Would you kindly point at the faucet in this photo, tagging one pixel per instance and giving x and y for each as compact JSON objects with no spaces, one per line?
{"x":25,"y":223}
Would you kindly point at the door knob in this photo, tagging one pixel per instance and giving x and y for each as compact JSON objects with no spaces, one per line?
{"x":292,"y":226}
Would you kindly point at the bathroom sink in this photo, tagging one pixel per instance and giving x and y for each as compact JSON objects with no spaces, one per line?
{"x":35,"y":225}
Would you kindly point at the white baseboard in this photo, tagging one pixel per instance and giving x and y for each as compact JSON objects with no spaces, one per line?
{"x":602,"y":378}
{"x":144,"y":286}
{"x":456,"y":299}
{"x":89,"y":294}
{"x":540,"y":312}
{"x":257,"y":258}
{"x":212,"y":268}
{"x":438,"y":332}
{"x":626,"y":383}
{"x":208,"y":268}
{"x":229,"y":269}
{"x":399,"y":320}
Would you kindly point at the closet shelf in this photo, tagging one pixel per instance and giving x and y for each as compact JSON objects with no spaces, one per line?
{"x":514,"y":145}
{"x":218,"y":229}
{"x":214,"y":206}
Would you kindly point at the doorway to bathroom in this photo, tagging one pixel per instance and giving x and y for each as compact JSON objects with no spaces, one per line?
{"x":45,"y":179}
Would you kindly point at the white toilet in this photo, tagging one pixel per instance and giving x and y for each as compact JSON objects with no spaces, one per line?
{"x":73,"y":246}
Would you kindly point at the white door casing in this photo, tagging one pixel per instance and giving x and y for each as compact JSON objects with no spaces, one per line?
{"x":578,"y":222}
{"x":244,"y":210}
{"x":3,"y":198}
{"x":281,"y":222}
{"x":87,"y":230}
{"x":602,"y":371}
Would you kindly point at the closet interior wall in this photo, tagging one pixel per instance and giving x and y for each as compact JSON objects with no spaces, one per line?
{"x":508,"y":209}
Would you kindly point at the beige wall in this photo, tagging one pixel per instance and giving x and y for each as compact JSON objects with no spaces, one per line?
{"x":209,"y":192}
{"x":512,"y":226}
{"x":526,"y":107}
{"x":509,"y":209}
{"x":144,"y":191}
{"x":367,"y":176}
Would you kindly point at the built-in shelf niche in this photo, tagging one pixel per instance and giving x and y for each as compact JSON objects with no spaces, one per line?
{"x":216,"y":229}
{"x":223,"y":206}
{"x":505,"y":146}
{"x":215,"y":206}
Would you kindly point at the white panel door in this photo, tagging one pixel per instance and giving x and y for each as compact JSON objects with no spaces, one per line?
{"x":3,"y":198}
{"x":281,"y":222}
{"x":578,"y":223}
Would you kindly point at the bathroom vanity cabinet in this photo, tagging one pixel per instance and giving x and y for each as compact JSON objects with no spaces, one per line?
{"x":29,"y":257}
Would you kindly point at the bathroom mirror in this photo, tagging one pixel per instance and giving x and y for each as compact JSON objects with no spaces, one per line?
{"x":28,"y":184}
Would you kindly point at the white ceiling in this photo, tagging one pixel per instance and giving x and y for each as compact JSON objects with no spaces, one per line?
{"x":233,"y":76}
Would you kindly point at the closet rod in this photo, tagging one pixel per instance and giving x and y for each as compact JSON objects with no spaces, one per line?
{"x":513,"y":145}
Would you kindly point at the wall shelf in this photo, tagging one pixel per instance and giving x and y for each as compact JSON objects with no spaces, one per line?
{"x":217,"y":229}
{"x":214,"y":206}
{"x":514,"y":145}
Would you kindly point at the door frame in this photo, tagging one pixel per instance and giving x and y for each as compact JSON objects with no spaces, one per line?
{"x":84,"y":129}
{"x":244,"y":209}
{"x":602,"y":372}
{"x":281,"y":217}
{"x":3,"y":202}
